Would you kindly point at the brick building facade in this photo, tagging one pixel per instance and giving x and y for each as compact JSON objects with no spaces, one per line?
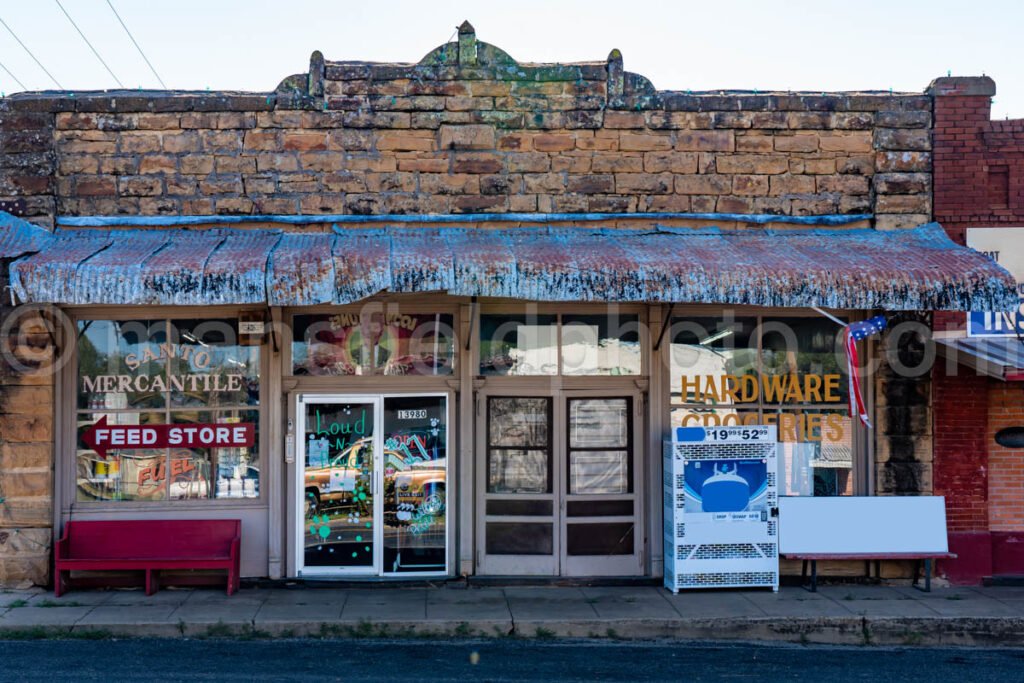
{"x":471,"y":136}
{"x":979,"y":182}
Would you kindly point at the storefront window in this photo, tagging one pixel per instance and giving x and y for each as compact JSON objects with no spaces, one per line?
{"x":136,"y":474}
{"x":117,"y":361}
{"x":817,"y":452}
{"x":713,"y":357}
{"x":375,"y":343}
{"x":808,"y":350}
{"x":167,"y":410}
{"x":789,"y":372}
{"x":218,"y":372}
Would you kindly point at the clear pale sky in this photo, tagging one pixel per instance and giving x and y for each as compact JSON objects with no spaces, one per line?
{"x":762,"y":44}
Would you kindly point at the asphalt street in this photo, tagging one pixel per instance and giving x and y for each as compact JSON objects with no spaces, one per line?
{"x":511,"y":660}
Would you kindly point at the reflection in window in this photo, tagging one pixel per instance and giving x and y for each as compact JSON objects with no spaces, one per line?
{"x":210,"y":367}
{"x":122,"y":365}
{"x":817,"y":452}
{"x":600,"y":345}
{"x":139,"y":372}
{"x":214,"y":472}
{"x":376,"y":343}
{"x":518,"y":445}
{"x":797,"y":382}
{"x":120,"y":474}
{"x":810,"y":351}
{"x":723,"y":351}
{"x":415,"y":483}
{"x":518,"y":345}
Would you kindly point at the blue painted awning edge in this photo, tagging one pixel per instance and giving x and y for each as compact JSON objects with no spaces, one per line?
{"x":178,"y":221}
{"x":19,"y":237}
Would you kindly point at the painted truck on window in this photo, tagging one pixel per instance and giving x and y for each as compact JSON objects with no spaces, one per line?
{"x":411,"y":484}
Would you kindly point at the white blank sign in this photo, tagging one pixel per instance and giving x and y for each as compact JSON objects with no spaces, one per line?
{"x":870,"y":524}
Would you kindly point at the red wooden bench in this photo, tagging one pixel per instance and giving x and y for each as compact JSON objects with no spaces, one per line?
{"x":149,"y":545}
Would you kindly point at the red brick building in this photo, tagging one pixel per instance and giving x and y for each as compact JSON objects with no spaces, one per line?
{"x":979,"y":199}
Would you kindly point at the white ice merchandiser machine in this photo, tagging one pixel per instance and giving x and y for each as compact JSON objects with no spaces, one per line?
{"x":721,"y":508}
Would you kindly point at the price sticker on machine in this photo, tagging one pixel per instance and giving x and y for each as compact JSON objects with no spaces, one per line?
{"x":751,"y":434}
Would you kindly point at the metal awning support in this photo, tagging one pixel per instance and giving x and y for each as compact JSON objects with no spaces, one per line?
{"x":828,"y":315}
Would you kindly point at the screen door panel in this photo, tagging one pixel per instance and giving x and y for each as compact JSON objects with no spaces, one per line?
{"x":600,"y":521}
{"x":519,"y":532}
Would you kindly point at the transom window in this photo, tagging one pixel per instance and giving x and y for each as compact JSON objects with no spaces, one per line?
{"x":373,"y":343}
{"x":553,"y":344}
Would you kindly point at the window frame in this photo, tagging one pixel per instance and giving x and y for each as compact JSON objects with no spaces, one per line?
{"x":66,"y":413}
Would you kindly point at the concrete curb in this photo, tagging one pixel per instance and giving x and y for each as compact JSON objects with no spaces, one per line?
{"x":853,"y":630}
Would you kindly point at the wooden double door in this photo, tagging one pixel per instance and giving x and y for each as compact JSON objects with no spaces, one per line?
{"x":559,"y":475}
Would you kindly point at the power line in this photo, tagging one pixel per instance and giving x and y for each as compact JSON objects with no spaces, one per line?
{"x":2,"y":66}
{"x":94,"y":51}
{"x":137,"y":46}
{"x":25,"y":48}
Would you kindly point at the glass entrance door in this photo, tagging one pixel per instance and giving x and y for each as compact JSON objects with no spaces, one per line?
{"x":373,"y":473}
{"x":415,"y":484}
{"x":340,"y":442}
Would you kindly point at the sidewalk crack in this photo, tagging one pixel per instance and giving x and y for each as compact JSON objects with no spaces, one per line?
{"x":511,"y":614}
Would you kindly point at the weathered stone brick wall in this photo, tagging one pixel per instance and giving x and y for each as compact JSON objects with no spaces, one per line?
{"x":470,"y":130}
{"x":26,"y":446}
{"x":903,"y":429}
{"x":27,"y":158}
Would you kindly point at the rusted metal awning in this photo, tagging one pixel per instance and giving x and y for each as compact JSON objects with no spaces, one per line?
{"x":918,"y":269}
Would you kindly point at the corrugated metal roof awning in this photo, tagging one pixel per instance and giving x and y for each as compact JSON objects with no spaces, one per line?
{"x":999,"y":357}
{"x":919,"y":269}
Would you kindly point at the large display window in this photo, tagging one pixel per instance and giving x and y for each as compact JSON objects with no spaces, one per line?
{"x":166,"y":410}
{"x":786,"y":371}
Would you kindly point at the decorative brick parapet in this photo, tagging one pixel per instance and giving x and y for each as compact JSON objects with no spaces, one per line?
{"x":468,"y":129}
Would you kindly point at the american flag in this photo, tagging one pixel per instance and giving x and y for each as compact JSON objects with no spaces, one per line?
{"x":855,"y":332}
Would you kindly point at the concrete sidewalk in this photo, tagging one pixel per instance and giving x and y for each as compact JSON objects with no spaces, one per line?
{"x":853,"y":614}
